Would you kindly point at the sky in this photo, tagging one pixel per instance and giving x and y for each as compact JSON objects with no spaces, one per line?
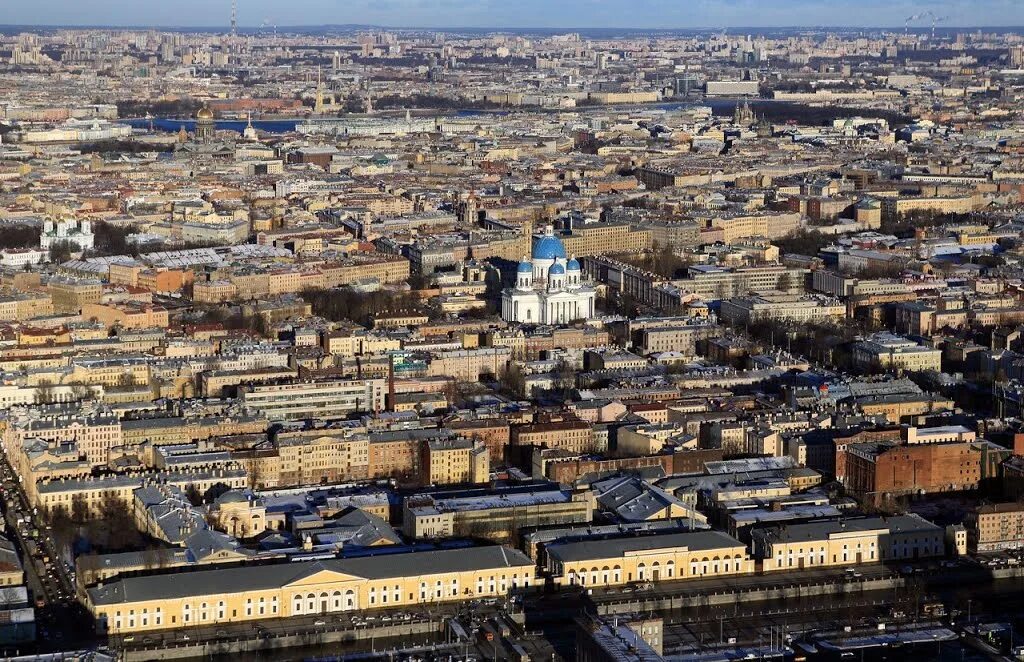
{"x":515,"y":13}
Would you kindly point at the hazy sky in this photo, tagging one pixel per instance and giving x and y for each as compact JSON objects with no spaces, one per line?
{"x":515,"y":13}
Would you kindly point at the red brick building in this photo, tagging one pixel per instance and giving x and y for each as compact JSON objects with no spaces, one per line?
{"x":875,"y":471}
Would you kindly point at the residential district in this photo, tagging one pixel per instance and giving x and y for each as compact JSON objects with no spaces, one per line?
{"x":442,"y":345}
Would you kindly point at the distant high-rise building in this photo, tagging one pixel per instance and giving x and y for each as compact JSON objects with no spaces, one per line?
{"x":1017,"y":56}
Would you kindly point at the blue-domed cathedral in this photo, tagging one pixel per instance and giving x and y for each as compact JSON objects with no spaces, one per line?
{"x":549,"y":288}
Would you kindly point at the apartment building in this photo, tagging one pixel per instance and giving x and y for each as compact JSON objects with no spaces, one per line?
{"x":570,"y":434}
{"x":995,"y":527}
{"x":69,"y":295}
{"x":454,"y":461}
{"x":801,"y":309}
{"x":95,"y":491}
{"x":715,"y":282}
{"x":892,"y":352}
{"x":314,"y":399}
{"x":22,"y":306}
{"x":324,"y":459}
{"x":95,"y":434}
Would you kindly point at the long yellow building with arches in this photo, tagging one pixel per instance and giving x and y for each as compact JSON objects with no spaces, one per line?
{"x":692,"y":555}
{"x":252,"y":592}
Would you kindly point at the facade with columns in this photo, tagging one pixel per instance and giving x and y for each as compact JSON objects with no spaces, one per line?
{"x":549,"y":288}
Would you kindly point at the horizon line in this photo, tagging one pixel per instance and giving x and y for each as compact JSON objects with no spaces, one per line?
{"x":702,"y":28}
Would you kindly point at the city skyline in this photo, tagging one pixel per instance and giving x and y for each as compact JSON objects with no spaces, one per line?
{"x":530,"y":14}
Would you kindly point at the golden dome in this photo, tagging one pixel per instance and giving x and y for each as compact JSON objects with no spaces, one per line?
{"x":204,"y":113}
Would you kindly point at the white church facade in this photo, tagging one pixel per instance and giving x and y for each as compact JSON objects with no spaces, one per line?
{"x":549,"y":288}
{"x":77,"y":233}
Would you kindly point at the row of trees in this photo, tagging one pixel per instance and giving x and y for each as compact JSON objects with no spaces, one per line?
{"x":661,"y":259}
{"x":184,"y":107}
{"x":113,"y":529}
{"x":344,"y":303}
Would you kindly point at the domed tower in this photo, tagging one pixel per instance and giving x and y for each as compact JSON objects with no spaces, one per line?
{"x":556,"y":276}
{"x":547,"y":248}
{"x":524,"y":274}
{"x":205,"y":126}
{"x":573,"y":273}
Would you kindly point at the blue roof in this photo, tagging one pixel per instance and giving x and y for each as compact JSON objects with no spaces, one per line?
{"x":547,"y":248}
{"x":556,"y":269}
{"x":573,"y":265}
{"x":525,"y":267}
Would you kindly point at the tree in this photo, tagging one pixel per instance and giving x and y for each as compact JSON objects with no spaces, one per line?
{"x":62,"y":527}
{"x":193,"y":495}
{"x":19,"y":235}
{"x":79,"y":509}
{"x":802,"y":242}
{"x":253,"y":469}
{"x":61,"y":251}
{"x":512,"y":381}
{"x":46,"y":392}
{"x":116,"y":524}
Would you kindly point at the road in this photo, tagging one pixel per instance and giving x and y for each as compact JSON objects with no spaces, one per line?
{"x":61,"y":621}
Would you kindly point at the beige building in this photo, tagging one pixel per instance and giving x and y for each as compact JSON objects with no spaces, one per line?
{"x":570,"y":434}
{"x":495,"y":515}
{"x":651,"y":558}
{"x":891,"y":352}
{"x":127,"y":315}
{"x":995,"y":527}
{"x":777,"y":307}
{"x":69,"y":295}
{"x":22,"y":306}
{"x":454,"y":461}
{"x":324,"y":459}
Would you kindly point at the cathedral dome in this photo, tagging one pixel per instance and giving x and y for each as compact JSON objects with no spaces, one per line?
{"x":572,"y":265}
{"x":525,"y":267}
{"x":556,"y":270}
{"x":548,"y":247}
{"x":204,"y":113}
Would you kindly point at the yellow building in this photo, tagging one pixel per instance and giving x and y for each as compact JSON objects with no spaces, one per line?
{"x":454,"y":461}
{"x":845,"y":542}
{"x":674,"y":556}
{"x":21,"y":306}
{"x":127,"y":315}
{"x":248,"y":593}
{"x":996,"y":526}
